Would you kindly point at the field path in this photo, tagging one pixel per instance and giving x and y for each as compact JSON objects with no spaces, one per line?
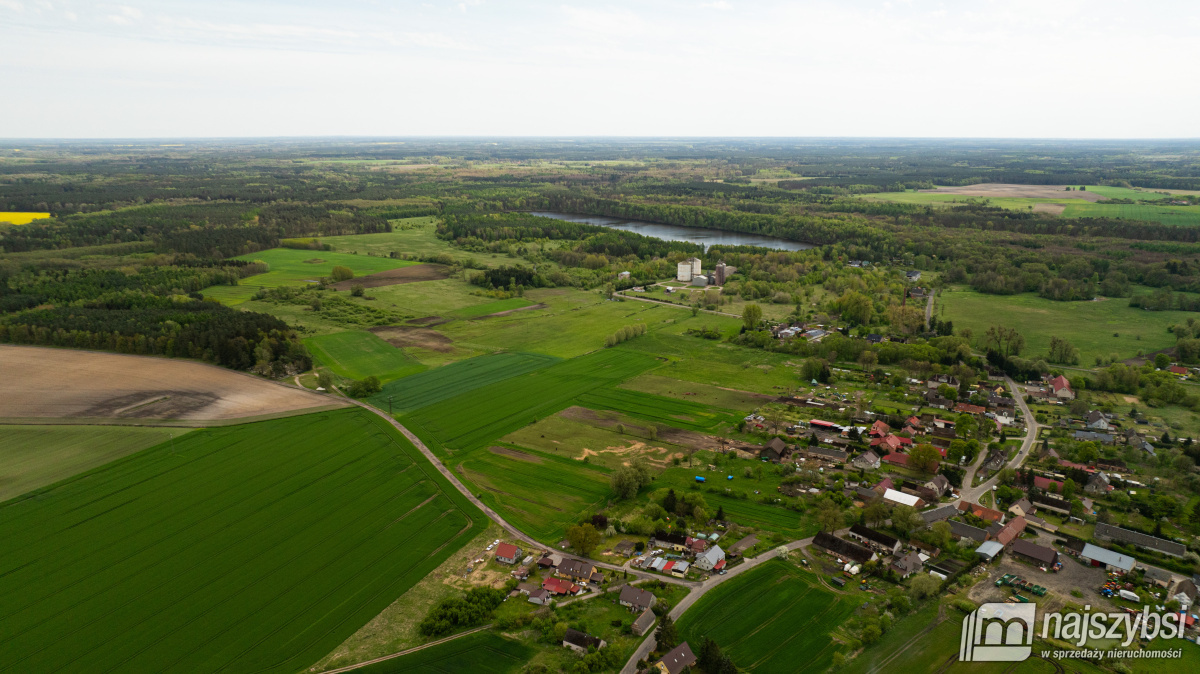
{"x":492,"y":514}
{"x":382,"y":658}
{"x":929,"y":309}
{"x":663,"y":303}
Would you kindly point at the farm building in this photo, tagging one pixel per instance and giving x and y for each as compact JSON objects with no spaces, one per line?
{"x":624,"y":548}
{"x":581,"y":641}
{"x":507,"y":553}
{"x":636,"y":598}
{"x":938,"y":514}
{"x":843,"y":549}
{"x":900,"y":498}
{"x":644,"y":622}
{"x":1054,"y":505}
{"x":1108,"y":532}
{"x":521,"y":572}
{"x":963,"y":530}
{"x":1037,"y":554}
{"x":550,"y":560}
{"x":676,"y":660}
{"x":687,"y":269}
{"x":1107,"y":559}
{"x":776,"y":450}
{"x":876,"y":540}
{"x":722,"y":272}
{"x":699,"y":280}
{"x":1011,"y":531}
{"x":712,"y":559}
{"x":1159,"y":577}
{"x":989,"y":549}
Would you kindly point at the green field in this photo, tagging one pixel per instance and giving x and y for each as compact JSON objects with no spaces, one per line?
{"x":415,"y":236}
{"x":476,"y":417}
{"x":658,"y":409}
{"x":1087,"y":325}
{"x":774,"y":618}
{"x":541,"y":495}
{"x":35,"y":456}
{"x":491,"y":307}
{"x":357,"y":354}
{"x":258,"y":547}
{"x":696,"y":392}
{"x":1185,"y":216}
{"x":704,"y":361}
{"x":295,"y":268}
{"x":436,"y":385}
{"x":484,"y":652}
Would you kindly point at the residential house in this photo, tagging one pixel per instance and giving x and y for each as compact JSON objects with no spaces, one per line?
{"x":550,"y":560}
{"x":981,"y":512}
{"x":636,"y":598}
{"x":876,"y":540}
{"x":1107,"y":559}
{"x":867,"y":460}
{"x":1032,"y":552}
{"x":579,"y":571}
{"x":676,"y":660}
{"x":1021,"y":508}
{"x":507,"y":553}
{"x":713,"y":559}
{"x":539,"y":597}
{"x":843,"y":549}
{"x":526,"y":588}
{"x":644,"y":622}
{"x":1185,"y":593}
{"x":1097,"y":484}
{"x":912,"y":276}
{"x":932,"y":399}
{"x":967,"y":408}
{"x":1061,"y":388}
{"x":1108,"y":532}
{"x":581,"y":641}
{"x":879,"y":429}
{"x":890,"y":444}
{"x":1097,"y":421}
{"x":874,"y":338}
{"x":939,"y":484}
{"x":942,"y":437}
{"x":696,"y":545}
{"x":907,"y":565}
{"x":939,"y":379}
{"x":624,"y":548}
{"x":558,"y":586}
{"x":1179,"y":370}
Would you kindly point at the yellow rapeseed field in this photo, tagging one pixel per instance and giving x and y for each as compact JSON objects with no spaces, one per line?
{"x":10,"y":218}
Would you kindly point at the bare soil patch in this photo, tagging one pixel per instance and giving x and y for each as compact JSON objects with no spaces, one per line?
{"x":511,"y":311}
{"x":1018,"y":191}
{"x":61,"y":383}
{"x":391,"y":277}
{"x":653,"y":454}
{"x":514,"y":454}
{"x":427,"y":321}
{"x":1052,"y":209}
{"x":411,"y":336}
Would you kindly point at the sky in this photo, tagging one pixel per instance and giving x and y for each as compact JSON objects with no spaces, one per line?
{"x":917,"y":68}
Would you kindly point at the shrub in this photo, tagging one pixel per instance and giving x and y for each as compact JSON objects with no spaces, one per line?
{"x":340,"y":273}
{"x":357,"y":290}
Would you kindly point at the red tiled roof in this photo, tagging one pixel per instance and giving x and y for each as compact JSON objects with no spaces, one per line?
{"x":969,"y":408}
{"x":1059,"y":382}
{"x":719,"y":565}
{"x":897,"y":459}
{"x":506,"y":550}
{"x":980,"y":511}
{"x":1045,"y":482}
{"x":879,"y":429}
{"x":1011,"y":530}
{"x":1177,"y":369}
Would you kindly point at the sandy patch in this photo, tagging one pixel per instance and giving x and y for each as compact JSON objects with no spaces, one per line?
{"x":1052,"y":209}
{"x":391,"y":277}
{"x":410,"y":336}
{"x":1018,"y":191}
{"x":1130,"y":399}
{"x":48,"y":383}
{"x":643,"y":450}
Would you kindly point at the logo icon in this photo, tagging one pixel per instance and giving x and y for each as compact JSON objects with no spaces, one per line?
{"x":998,"y":633}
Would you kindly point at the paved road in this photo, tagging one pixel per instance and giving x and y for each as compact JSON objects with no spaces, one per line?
{"x":973,"y":493}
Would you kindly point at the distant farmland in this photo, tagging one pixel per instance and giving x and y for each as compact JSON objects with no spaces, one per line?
{"x":358,"y":354}
{"x":258,"y":547}
{"x":433,"y":386}
{"x":11,"y":218}
{"x":297,"y":268}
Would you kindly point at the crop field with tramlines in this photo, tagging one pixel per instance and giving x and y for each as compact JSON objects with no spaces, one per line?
{"x":477,"y":417}
{"x":660,"y":409}
{"x":257,"y":547}
{"x":358,"y":354}
{"x":433,"y":386}
{"x":770,"y":619}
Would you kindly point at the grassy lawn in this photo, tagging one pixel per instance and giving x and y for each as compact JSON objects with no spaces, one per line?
{"x":268,"y":543}
{"x":297,"y":267}
{"x":358,"y":354}
{"x":704,"y":361}
{"x":1089,"y":326}
{"x":37,"y":456}
{"x":774,"y":618}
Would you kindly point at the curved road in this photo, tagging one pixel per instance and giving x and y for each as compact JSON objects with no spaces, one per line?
{"x":1031,"y":432}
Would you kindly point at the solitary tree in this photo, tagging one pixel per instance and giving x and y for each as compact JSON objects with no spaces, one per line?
{"x":584,"y":538}
{"x":751,"y":315}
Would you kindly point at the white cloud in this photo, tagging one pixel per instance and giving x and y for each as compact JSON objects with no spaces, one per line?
{"x":719,"y":4}
{"x":12,"y":5}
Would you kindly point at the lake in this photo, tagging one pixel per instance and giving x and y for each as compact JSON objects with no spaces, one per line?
{"x":701,"y":235}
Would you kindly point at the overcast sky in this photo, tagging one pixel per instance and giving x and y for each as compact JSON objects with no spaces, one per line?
{"x":975,"y":68}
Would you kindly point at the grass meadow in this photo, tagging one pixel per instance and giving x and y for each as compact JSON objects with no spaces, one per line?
{"x":258,"y":547}
{"x":290,"y":267}
{"x":483,"y":651}
{"x":36,"y":456}
{"x":702,"y":393}
{"x":774,"y":618}
{"x":1090,"y":326}
{"x":658,"y":409}
{"x":357,"y":354}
